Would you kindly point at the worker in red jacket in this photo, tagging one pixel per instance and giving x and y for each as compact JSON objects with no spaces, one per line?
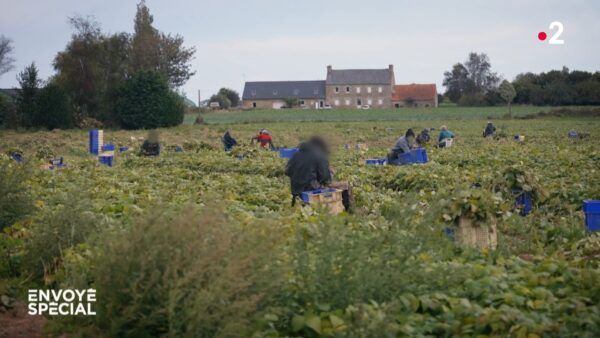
{"x":264,"y":138}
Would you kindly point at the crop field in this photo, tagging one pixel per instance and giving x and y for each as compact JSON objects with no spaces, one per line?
{"x":405,"y":114}
{"x":205,"y":243}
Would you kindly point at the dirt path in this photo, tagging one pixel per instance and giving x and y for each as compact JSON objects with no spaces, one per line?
{"x":16,"y":323}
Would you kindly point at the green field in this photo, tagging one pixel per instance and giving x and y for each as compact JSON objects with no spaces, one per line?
{"x":311,"y":115}
{"x":205,"y":243}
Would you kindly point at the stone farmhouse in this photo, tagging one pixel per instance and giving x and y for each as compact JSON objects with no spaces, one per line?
{"x":342,"y":88}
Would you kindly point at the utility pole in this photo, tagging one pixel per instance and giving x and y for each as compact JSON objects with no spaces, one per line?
{"x":199,"y":99}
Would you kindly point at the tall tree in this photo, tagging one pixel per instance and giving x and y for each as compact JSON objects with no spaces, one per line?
{"x":27,"y":106}
{"x":231,"y":94}
{"x":473,"y":79}
{"x":91,"y":67}
{"x":6,"y":59}
{"x":508,"y":93}
{"x":153,"y":50}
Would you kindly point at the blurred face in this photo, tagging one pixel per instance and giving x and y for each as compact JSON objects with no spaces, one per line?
{"x":410,"y":139}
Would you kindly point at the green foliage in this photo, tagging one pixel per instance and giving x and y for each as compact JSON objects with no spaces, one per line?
{"x":145,"y":101}
{"x":15,"y":199}
{"x":476,"y":204}
{"x":54,"y":110}
{"x":61,"y":224}
{"x":231,"y":95}
{"x":224,"y":102}
{"x":187,"y":275}
{"x":291,"y":102}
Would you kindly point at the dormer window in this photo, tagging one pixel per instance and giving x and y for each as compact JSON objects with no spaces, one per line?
{"x":274,"y":91}
{"x":296,"y":91}
{"x":253,"y":92}
{"x":316,"y":91}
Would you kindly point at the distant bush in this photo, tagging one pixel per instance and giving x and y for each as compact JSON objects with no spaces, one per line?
{"x":194,"y":275}
{"x":15,"y":201}
{"x":66,"y":222}
{"x":53,"y":110}
{"x":145,"y":102}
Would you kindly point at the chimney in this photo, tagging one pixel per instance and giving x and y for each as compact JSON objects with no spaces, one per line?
{"x":328,"y":69}
{"x":391,"y":68}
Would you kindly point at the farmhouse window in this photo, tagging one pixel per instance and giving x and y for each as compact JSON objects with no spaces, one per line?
{"x":368,"y":89}
{"x":347,"y":89}
{"x":253,"y":104}
{"x":380,"y":101}
{"x":358,"y":102}
{"x":336,"y":102}
{"x":337,"y":89}
{"x":358,"y":90}
{"x":369,"y":102}
{"x":301,"y":102}
{"x":347,"y":101}
{"x":379,"y":89}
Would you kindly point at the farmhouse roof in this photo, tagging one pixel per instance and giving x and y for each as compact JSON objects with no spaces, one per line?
{"x":414,"y":91}
{"x":359,"y":76}
{"x":261,"y":90}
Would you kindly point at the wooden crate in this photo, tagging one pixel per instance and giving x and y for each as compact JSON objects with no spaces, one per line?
{"x":330,"y":198}
{"x":478,"y":236}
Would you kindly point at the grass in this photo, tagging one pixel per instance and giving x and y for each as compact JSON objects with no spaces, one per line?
{"x":405,"y":114}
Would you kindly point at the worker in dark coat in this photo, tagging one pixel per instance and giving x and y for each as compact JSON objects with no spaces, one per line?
{"x":228,"y":141}
{"x":490,"y":130}
{"x":309,"y":170}
{"x":151,"y":146}
{"x":424,"y":137}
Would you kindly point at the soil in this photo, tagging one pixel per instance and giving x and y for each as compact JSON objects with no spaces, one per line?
{"x":16,"y":323}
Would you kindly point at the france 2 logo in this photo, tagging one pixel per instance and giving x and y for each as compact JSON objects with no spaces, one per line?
{"x":554,"y":40}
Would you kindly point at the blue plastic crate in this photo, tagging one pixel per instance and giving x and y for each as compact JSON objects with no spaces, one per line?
{"x":123,"y":149}
{"x":376,"y":161}
{"x":449,"y":232}
{"x":106,"y":160}
{"x":419,"y":155}
{"x":17,"y":157}
{"x":306,"y":195}
{"x":287,"y":152}
{"x":108,"y":147}
{"x":524,"y":201}
{"x":95,"y":141}
{"x":591,"y":208}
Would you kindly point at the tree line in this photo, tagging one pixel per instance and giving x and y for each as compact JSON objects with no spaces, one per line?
{"x":116,"y":80}
{"x":473,"y":83}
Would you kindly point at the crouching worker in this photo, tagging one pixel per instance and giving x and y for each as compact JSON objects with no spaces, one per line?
{"x":490,"y":130}
{"x":423,"y":138}
{"x":309,"y":170}
{"x":228,"y":141}
{"x":264,"y":139}
{"x":445,"y":137}
{"x":403,"y":145}
{"x":151,"y":146}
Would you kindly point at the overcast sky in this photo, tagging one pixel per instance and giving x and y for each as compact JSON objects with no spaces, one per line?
{"x":295,"y":40}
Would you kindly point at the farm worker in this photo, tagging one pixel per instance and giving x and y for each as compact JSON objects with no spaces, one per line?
{"x":403,"y":145}
{"x":423,"y":138}
{"x":228,"y":141}
{"x":264,"y":138}
{"x":309,"y":170}
{"x":151,"y":146}
{"x":444,"y":134}
{"x":490,"y":130}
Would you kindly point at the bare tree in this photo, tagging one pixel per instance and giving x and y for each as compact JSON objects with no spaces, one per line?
{"x":6,"y":59}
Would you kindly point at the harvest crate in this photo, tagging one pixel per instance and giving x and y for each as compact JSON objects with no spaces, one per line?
{"x":475,"y":235}
{"x":330,"y":197}
{"x":524,"y":201}
{"x":591,"y":208}
{"x":108,"y":149}
{"x":418,"y":155}
{"x":376,"y":161}
{"x":287,"y":152}
{"x":106,"y":160}
{"x":96,"y":141}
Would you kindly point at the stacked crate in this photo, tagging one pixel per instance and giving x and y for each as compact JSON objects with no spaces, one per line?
{"x":329,"y":197}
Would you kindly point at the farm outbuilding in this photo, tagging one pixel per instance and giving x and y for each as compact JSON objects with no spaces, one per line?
{"x":415,"y":95}
{"x":272,"y":94}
